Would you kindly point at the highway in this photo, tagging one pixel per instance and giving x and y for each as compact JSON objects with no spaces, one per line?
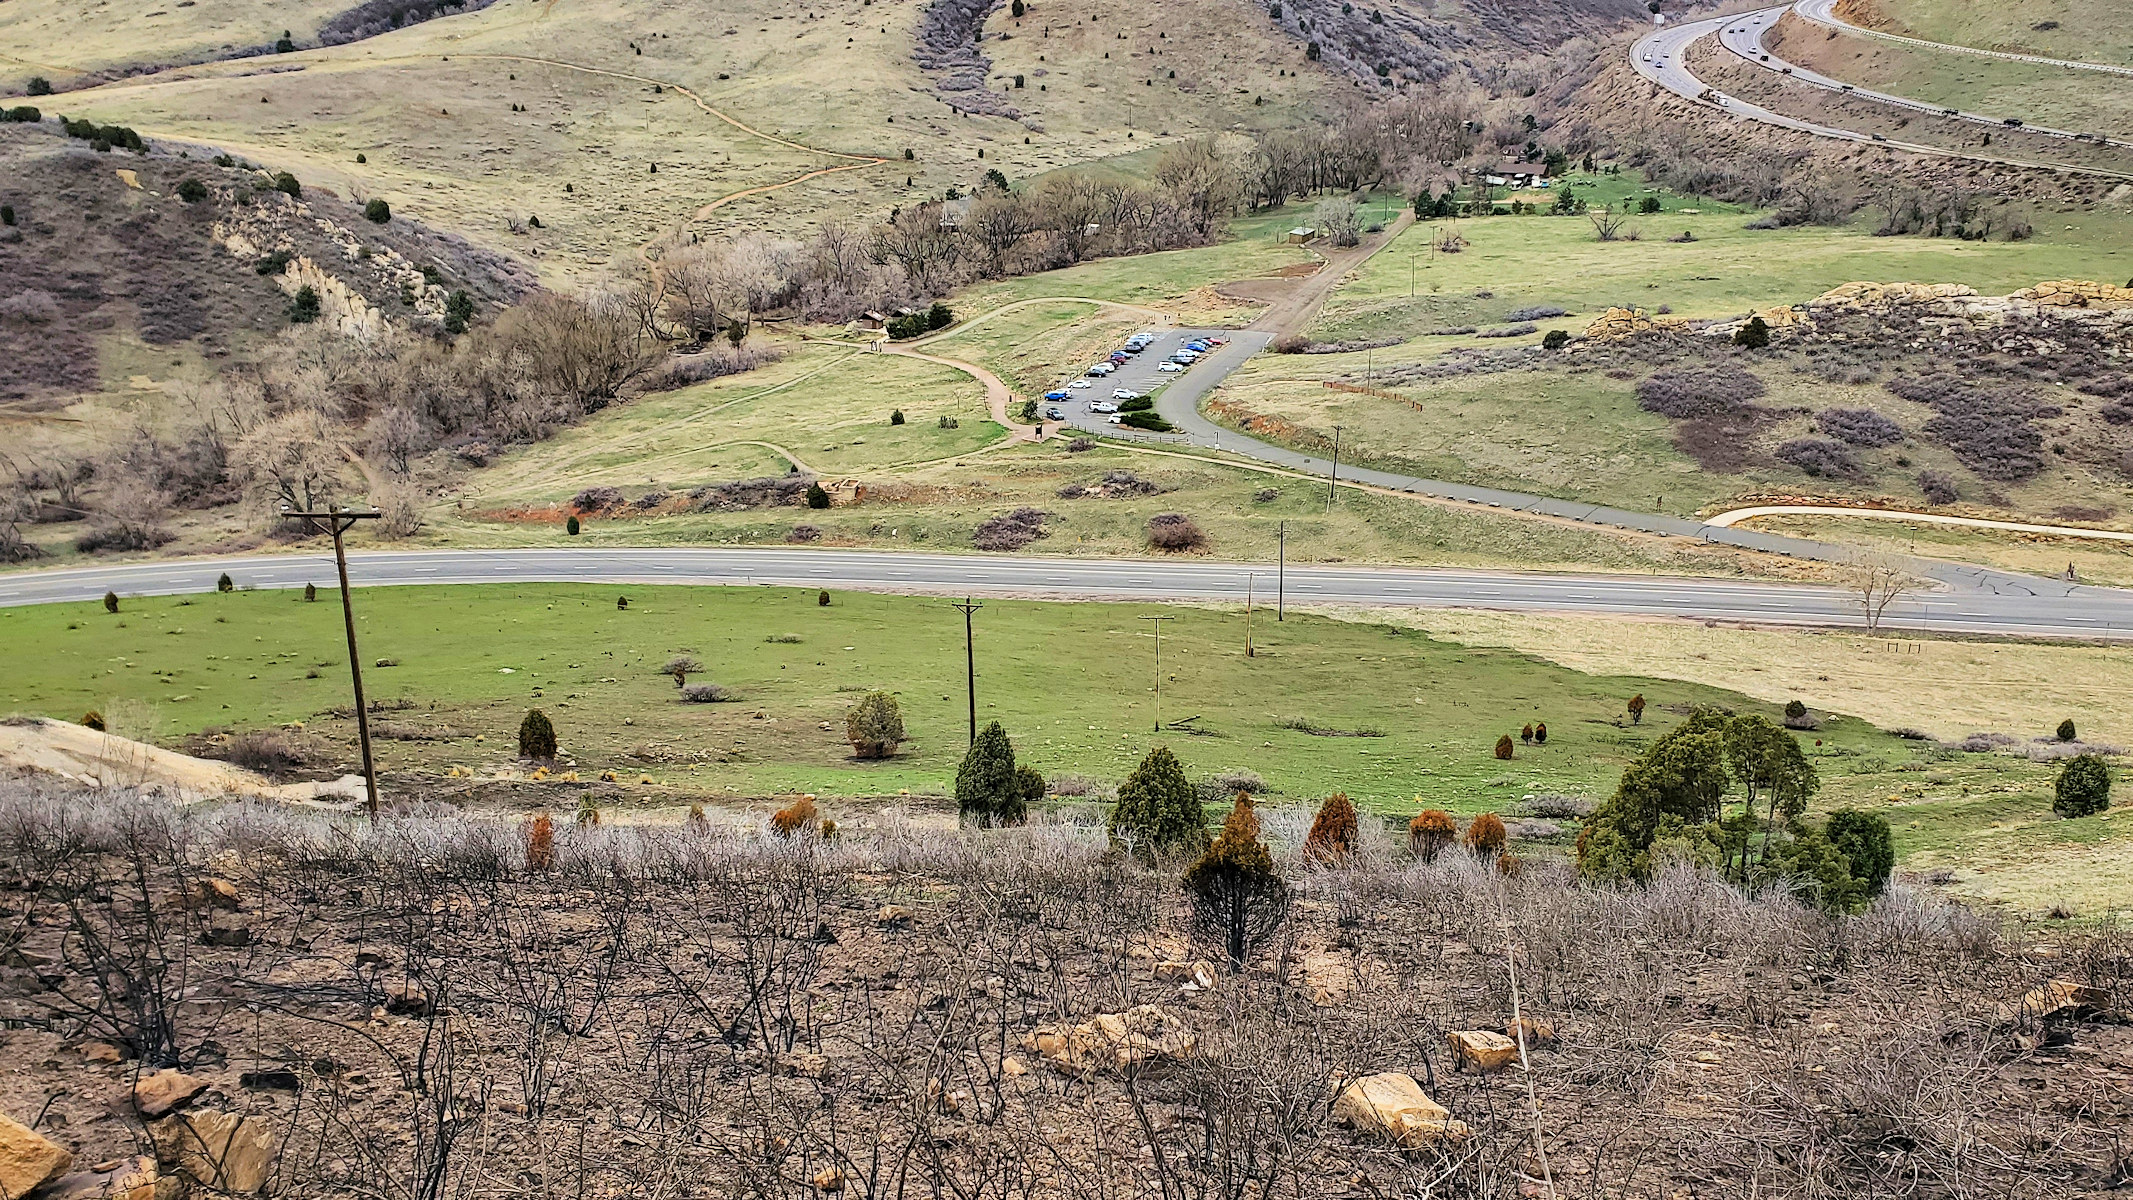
{"x":1660,"y":56}
{"x":1824,"y":13}
{"x":1744,"y":37}
{"x":2078,"y":612}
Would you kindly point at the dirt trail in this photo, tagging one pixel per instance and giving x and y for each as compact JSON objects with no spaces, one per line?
{"x":1291,"y":312}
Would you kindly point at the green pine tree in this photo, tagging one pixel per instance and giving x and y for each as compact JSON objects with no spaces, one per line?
{"x":1158,"y":808}
{"x":986,"y":791}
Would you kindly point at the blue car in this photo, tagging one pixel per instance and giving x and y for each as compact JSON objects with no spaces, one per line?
{"x":1055,"y":396}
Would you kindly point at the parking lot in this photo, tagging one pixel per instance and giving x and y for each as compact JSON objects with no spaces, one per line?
{"x":1140,"y":374}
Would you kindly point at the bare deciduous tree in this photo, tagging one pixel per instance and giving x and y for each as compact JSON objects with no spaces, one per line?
{"x":1878,"y":580}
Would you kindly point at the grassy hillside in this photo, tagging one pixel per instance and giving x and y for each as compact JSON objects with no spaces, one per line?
{"x":2088,"y":30}
{"x":1073,"y":683}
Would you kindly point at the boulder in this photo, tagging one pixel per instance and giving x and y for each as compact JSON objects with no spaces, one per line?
{"x":1482,"y":1050}
{"x":28,"y":1158}
{"x":229,"y":1152}
{"x":1131,"y":1040}
{"x":895,"y":915}
{"x":1396,"y":1106}
{"x":2053,"y":999}
{"x":165,"y":1092}
{"x":101,"y":1052}
{"x":131,"y":1178}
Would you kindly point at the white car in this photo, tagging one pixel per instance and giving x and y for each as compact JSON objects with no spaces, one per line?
{"x":1171,"y":367}
{"x":1125,"y":394}
{"x":1079,"y":383}
{"x":1102,"y":406}
{"x":1102,"y":369}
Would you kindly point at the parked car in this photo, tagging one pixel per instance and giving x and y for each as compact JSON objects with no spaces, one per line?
{"x":1119,"y":356}
{"x":1102,"y":406}
{"x":1055,"y":396}
{"x":1101,"y":369}
{"x":1079,"y":383}
{"x":1053,"y":414}
{"x":1125,"y":394}
{"x":1118,"y":420}
{"x":1169,"y":367}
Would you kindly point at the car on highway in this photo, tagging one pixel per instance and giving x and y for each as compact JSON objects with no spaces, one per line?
{"x":1079,"y":383}
{"x":1170,"y":367}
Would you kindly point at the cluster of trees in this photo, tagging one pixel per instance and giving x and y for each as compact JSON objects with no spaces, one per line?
{"x":1671,"y":806}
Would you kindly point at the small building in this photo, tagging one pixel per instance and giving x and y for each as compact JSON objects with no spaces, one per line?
{"x":1515,"y":175}
{"x":1301,"y":234}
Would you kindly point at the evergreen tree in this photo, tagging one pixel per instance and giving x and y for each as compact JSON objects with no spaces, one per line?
{"x":986,"y":791}
{"x":536,"y":736}
{"x":1237,"y":895}
{"x":2083,"y":787}
{"x":1865,"y":840}
{"x":1158,"y":808}
{"x":875,"y":726}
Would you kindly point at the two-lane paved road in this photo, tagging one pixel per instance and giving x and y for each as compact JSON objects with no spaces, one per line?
{"x":2083,"y":612}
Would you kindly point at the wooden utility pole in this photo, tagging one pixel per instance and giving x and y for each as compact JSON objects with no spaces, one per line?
{"x":1250,"y":578}
{"x":970,"y":663}
{"x":1281,"y":574}
{"x":1159,"y":668}
{"x":339,"y":520}
{"x":1334,"y":479}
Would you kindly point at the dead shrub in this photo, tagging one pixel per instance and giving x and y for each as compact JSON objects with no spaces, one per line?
{"x":1175,"y":532}
{"x":1485,"y":835}
{"x":1430,"y":832}
{"x":796,"y":818}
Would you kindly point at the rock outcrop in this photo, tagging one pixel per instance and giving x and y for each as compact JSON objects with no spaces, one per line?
{"x":1482,"y":1050}
{"x":1134,"y":1039}
{"x":229,"y":1152}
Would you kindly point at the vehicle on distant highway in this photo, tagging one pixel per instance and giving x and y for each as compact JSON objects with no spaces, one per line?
{"x":2012,"y":122}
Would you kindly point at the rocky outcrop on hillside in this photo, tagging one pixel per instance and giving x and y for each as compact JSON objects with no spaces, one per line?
{"x":949,"y":33}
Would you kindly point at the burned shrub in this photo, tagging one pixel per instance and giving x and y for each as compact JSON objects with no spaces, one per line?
{"x":1010,"y":531}
{"x":803,"y":534}
{"x":1988,"y":428}
{"x":1820,"y":457}
{"x":770,"y":491}
{"x":1938,"y":486}
{"x":1685,"y":393}
{"x":1859,"y":426}
{"x":1175,"y":532}
{"x":268,"y":751}
{"x":707,"y":693}
{"x":1538,"y":312}
{"x":596,"y":500}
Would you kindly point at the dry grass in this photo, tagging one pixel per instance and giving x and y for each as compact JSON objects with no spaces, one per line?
{"x":1947,"y":688}
{"x":2093,"y":561}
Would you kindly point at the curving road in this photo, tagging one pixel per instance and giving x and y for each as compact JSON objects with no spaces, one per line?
{"x":1744,"y":37}
{"x":1660,"y":57}
{"x":2079,"y":612}
{"x":1824,"y":13}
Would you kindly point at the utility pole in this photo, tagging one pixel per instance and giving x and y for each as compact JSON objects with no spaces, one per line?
{"x":1334,"y":479}
{"x":340,"y":520}
{"x":1410,"y":276}
{"x":1250,"y":578}
{"x":1159,"y":668}
{"x":1281,"y":574}
{"x":970,"y":663}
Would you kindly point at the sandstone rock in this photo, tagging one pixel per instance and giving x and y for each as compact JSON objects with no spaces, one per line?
{"x":102,"y":1052}
{"x":1396,"y":1106}
{"x":1482,"y":1050}
{"x":892,"y":914}
{"x":28,"y":1158}
{"x":2051,"y":999}
{"x":829,"y":1179}
{"x":166,"y":1091}
{"x":1136,"y":1038}
{"x":119,"y":1179}
{"x":226,"y":1151}
{"x":1012,"y":1068}
{"x":1537,"y":1032}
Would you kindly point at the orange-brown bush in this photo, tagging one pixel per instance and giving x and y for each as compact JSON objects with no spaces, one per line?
{"x":1430,"y":832}
{"x":1504,"y":748}
{"x":798,"y":817}
{"x":1485,"y":835}
{"x":1332,"y":836}
{"x":540,"y":843}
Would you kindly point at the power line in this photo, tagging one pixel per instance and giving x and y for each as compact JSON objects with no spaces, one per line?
{"x":340,"y":520}
{"x":1159,"y":668}
{"x":970,"y":662}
